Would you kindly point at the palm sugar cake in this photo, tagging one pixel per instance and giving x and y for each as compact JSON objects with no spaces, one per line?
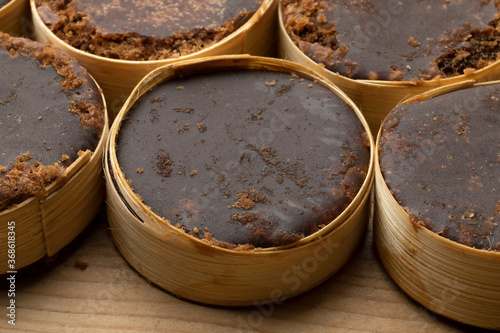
{"x":395,"y":40}
{"x":144,"y":30}
{"x":3,"y":3}
{"x":14,"y":19}
{"x":244,"y":158}
{"x":50,"y":111}
{"x":440,"y":158}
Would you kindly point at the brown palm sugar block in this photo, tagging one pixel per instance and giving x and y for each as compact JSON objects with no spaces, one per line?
{"x":144,"y":30}
{"x":3,"y":3}
{"x":397,"y":39}
{"x":440,"y":159}
{"x":50,"y":110}
{"x":244,"y":158}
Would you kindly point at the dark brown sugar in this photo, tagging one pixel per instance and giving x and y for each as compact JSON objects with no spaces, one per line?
{"x":50,"y":110}
{"x":397,"y":39}
{"x":441,"y":160}
{"x":260,"y":165}
{"x":144,"y":30}
{"x":4,"y":2}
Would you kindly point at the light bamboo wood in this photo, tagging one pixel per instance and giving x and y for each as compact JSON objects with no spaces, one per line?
{"x":43,"y":226}
{"x":193,"y":269}
{"x":375,"y":98}
{"x":118,"y":77}
{"x":109,"y":297}
{"x":14,"y":16}
{"x":453,"y":280}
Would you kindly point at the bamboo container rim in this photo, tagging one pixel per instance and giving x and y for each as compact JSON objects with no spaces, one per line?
{"x":225,"y":62}
{"x":435,"y":82}
{"x":12,"y":17}
{"x":53,"y":186}
{"x":266,"y":4}
{"x":467,"y":250}
{"x":74,"y":167}
{"x":8,"y":5}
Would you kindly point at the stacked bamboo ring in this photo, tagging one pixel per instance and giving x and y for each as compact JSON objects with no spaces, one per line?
{"x":199,"y":271}
{"x":43,"y":226}
{"x":454,"y":280}
{"x":117,"y":78}
{"x":13,"y":16}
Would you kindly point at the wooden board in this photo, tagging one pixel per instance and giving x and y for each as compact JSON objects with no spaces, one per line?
{"x":109,"y":296}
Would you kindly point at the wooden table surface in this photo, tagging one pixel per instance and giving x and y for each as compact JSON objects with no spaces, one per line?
{"x":109,"y":296}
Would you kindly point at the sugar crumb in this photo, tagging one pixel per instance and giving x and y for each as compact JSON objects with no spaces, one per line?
{"x":201,"y":127}
{"x":81,"y":265}
{"x":413,"y":42}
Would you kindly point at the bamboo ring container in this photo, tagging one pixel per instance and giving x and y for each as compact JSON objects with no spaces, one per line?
{"x":375,"y":98}
{"x":43,"y":226}
{"x":195,"y":270}
{"x":117,"y":78}
{"x":451,"y":279}
{"x":13,"y":17}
